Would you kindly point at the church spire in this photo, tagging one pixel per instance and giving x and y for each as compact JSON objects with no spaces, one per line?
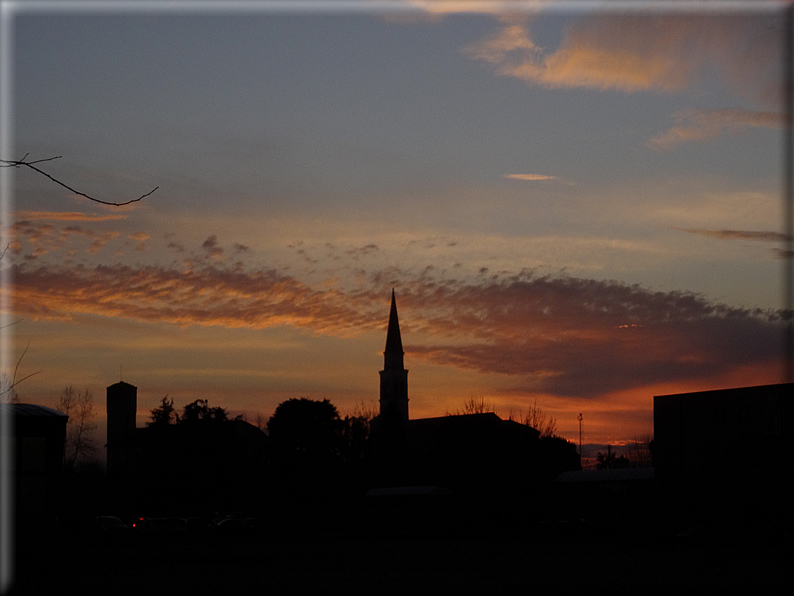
{"x":393,"y":355}
{"x":394,"y":377}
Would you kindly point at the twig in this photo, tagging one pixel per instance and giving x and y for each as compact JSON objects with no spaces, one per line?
{"x":5,"y":163}
{"x":7,"y":325}
{"x":14,"y":381}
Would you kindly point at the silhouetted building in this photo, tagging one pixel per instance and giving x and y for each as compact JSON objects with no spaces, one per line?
{"x":203,"y":462}
{"x":394,"y":377}
{"x":122,"y":406}
{"x":725,"y":452}
{"x":479,"y":454}
{"x":37,"y":442}
{"x":390,"y":428}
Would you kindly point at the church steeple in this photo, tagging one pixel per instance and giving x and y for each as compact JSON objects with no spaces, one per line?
{"x":394,"y":377}
{"x":393,"y":355}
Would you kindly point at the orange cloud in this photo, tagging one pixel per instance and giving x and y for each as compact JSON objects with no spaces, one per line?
{"x":555,"y":335}
{"x":632,"y":53}
{"x":208,"y":296}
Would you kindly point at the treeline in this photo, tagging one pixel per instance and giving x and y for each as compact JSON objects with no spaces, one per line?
{"x":307,"y":467}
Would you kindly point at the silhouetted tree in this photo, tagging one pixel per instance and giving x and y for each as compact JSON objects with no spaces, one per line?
{"x":79,"y":407}
{"x":165,"y":414}
{"x":609,"y":461}
{"x":540,"y":421}
{"x":199,"y":411}
{"x":355,"y":438}
{"x":8,"y":394}
{"x":8,"y":383}
{"x":558,"y":455}
{"x":476,"y":404}
{"x":306,"y":427}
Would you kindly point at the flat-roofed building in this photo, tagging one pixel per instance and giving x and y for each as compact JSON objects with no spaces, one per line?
{"x":725,"y":452}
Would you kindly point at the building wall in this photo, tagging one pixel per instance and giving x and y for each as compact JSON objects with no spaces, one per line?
{"x":723,"y":451}
{"x":37,"y":442}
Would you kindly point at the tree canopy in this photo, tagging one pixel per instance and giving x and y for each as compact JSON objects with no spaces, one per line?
{"x":305,"y":426}
{"x":200,"y":411}
{"x":164,"y":414}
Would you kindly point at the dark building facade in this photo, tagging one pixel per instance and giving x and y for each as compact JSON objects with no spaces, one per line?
{"x":37,"y":440}
{"x":724,"y":453}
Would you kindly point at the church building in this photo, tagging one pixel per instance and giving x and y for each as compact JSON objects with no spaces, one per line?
{"x":452,"y":450}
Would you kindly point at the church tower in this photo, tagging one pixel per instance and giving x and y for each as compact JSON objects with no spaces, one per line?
{"x":394,"y":377}
{"x":122,"y":404}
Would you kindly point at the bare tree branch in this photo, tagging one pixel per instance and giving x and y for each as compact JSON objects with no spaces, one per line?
{"x":5,"y":163}
{"x":7,"y":391}
{"x":7,"y":325}
{"x":79,"y":407}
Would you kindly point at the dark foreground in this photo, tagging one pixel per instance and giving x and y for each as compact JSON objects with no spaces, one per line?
{"x":329,"y":565}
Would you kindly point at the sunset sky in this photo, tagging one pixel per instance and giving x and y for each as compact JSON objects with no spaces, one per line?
{"x":578,"y":210}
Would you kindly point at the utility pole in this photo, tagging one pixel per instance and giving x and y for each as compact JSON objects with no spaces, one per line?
{"x":580,"y":436}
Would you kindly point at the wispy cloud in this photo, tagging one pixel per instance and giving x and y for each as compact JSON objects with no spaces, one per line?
{"x":196,"y":296}
{"x":538,"y":178}
{"x":46,"y":237}
{"x":64,"y":216}
{"x":696,"y":125}
{"x":530,"y":177}
{"x":212,"y":248}
{"x":737,"y":234}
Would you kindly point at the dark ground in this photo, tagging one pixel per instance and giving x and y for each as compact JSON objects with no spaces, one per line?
{"x":408,"y":565}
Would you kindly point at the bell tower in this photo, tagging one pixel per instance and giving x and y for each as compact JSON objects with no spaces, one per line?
{"x":122,"y":404}
{"x":394,"y":377}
